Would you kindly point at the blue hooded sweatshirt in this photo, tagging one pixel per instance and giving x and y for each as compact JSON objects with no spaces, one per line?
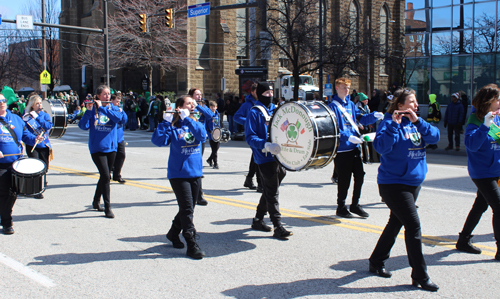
{"x":213,"y":123}
{"x":256,"y":133}
{"x":345,"y":127}
{"x":103,"y":135}
{"x":42,"y":121}
{"x":241,"y":115}
{"x":119,"y":127}
{"x":7,"y":143}
{"x":483,"y":153}
{"x":402,"y":150}
{"x":185,"y":160}
{"x":205,"y":114}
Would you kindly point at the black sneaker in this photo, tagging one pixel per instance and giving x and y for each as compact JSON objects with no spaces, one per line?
{"x":335,"y":180}
{"x":216,"y":166}
{"x":343,"y":212}
{"x":259,"y":189}
{"x":209,"y":162}
{"x":359,"y":211}
{"x":281,"y":233}
{"x":202,"y":202}
{"x":8,"y":230}
{"x":260,"y":225}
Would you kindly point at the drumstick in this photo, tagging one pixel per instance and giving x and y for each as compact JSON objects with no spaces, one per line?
{"x":36,"y":142}
{"x":8,"y":155}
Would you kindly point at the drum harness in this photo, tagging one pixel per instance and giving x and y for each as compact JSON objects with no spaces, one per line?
{"x":351,"y":121}
{"x":266,"y":117}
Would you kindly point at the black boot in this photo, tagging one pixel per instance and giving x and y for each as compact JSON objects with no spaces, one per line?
{"x":249,"y":183}
{"x":173,"y":236}
{"x":96,"y":205}
{"x":193,"y":250}
{"x":464,"y":244}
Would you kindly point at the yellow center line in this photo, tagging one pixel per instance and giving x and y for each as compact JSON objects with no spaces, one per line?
{"x":350,"y":224}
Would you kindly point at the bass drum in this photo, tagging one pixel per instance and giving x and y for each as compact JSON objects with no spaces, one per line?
{"x":59,"y":114}
{"x":307,"y":133}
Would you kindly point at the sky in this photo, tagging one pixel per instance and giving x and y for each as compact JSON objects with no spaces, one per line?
{"x":10,"y":8}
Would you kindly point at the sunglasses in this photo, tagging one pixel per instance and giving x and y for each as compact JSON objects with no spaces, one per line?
{"x":3,"y":101}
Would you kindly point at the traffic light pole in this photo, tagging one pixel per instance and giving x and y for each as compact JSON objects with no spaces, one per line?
{"x":106,"y":40}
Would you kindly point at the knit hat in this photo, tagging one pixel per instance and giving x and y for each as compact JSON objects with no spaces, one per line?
{"x":456,"y":95}
{"x":362,"y":97}
{"x":263,"y":87}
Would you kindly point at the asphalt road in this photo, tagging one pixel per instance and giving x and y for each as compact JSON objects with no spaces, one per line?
{"x":64,"y":249}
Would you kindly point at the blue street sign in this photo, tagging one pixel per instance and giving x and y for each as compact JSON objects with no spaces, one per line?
{"x":199,"y":10}
{"x":0,"y":19}
{"x":328,"y":90}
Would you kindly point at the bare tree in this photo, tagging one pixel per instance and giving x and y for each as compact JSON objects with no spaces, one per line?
{"x":292,"y":31}
{"x":129,"y":47}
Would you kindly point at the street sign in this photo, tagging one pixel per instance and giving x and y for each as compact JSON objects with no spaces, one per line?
{"x":328,"y":90}
{"x":0,"y":19}
{"x":24,"y":22}
{"x":199,"y":10}
{"x":45,"y":77}
{"x":223,"y":84}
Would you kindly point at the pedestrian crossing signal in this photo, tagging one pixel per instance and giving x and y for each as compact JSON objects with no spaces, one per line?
{"x":169,"y":17}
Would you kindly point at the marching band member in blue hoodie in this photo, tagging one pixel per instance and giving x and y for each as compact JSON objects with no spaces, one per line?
{"x":483,"y":154}
{"x":240,"y":117}
{"x":213,"y":123}
{"x":120,"y":151}
{"x":39,"y":123}
{"x":348,"y":160}
{"x":185,"y":135}
{"x":101,"y":122}
{"x":10,"y":150}
{"x":271,"y":172}
{"x":204,"y":115}
{"x":401,"y":139}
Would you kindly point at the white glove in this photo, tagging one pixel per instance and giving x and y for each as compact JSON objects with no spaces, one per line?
{"x":168,"y":116}
{"x":184,"y":113}
{"x":379,"y":115}
{"x":272,"y":148}
{"x":354,"y":139}
{"x":488,"y":119}
{"x":34,"y":114}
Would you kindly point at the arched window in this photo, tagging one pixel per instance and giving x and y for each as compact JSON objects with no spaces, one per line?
{"x":384,"y":26}
{"x":353,"y":15}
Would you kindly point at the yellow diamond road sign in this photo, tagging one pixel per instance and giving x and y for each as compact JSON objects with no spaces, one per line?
{"x":45,"y":77}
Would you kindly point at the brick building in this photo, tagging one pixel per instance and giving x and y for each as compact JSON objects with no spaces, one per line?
{"x":217,"y":45}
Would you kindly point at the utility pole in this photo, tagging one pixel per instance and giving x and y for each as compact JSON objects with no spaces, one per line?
{"x":320,"y":50}
{"x":106,"y":45}
{"x":44,"y":45}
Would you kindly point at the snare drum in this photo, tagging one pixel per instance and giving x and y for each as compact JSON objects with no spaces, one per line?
{"x":216,"y":134}
{"x":307,"y":133}
{"x":59,"y":114}
{"x":28,"y":176}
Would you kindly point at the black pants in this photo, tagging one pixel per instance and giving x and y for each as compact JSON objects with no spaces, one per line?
{"x":104,"y":163}
{"x":215,"y":148}
{"x":401,"y":201}
{"x":202,"y":148}
{"x":253,"y":170}
{"x":7,"y":196}
{"x":488,"y":194}
{"x":119,"y":159}
{"x":272,"y":173}
{"x":186,"y":191}
{"x":347,"y":164}
{"x":454,"y":128}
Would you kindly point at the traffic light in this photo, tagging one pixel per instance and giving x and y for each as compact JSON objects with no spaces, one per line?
{"x":169,"y":17}
{"x":144,"y":22}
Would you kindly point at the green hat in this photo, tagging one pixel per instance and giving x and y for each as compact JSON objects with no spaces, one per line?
{"x":9,"y":95}
{"x":362,"y":97}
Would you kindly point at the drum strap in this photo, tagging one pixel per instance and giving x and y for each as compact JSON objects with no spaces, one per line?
{"x":11,"y":132}
{"x":347,"y":115}
{"x":264,"y":112}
